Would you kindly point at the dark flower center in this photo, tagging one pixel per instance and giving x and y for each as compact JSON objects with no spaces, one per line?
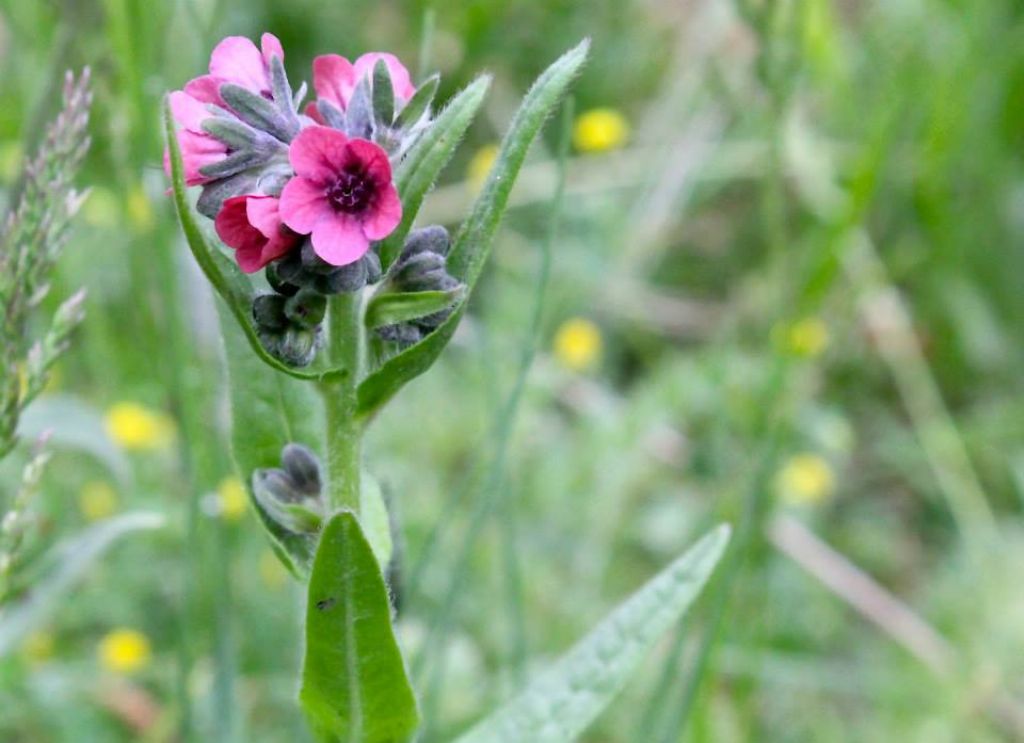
{"x":351,"y":193}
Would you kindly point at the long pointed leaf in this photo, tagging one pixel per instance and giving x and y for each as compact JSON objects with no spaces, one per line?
{"x":419,"y":169}
{"x":560,"y":703}
{"x":354,"y":683}
{"x":473,"y":243}
{"x":227,"y":279}
{"x":268,"y":410}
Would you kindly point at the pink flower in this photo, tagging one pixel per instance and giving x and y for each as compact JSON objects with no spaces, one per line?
{"x":342,"y":194}
{"x":198,"y":149}
{"x":252,"y":226}
{"x":236,"y":60}
{"x":335,"y":78}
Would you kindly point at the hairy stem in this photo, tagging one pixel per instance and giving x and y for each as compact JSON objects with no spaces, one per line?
{"x":343,"y":433}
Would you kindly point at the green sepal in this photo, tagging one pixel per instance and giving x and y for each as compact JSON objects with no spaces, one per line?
{"x":383,"y":94}
{"x":418,"y":171}
{"x":414,"y":109}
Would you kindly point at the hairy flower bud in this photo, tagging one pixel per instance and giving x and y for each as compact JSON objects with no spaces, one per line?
{"x":306,"y":308}
{"x":421,"y":267}
{"x":268,"y":312}
{"x":292,"y":495}
{"x":302,"y":466}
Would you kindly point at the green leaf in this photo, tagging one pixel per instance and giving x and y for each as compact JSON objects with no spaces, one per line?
{"x":375,"y":520}
{"x":354,"y":683}
{"x":268,"y":410}
{"x":392,"y":308}
{"x":227,"y":279}
{"x":563,"y":700}
{"x":60,"y":568}
{"x":473,"y":242}
{"x":418,"y":170}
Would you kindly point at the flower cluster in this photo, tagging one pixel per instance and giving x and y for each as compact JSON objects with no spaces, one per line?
{"x":303,"y":193}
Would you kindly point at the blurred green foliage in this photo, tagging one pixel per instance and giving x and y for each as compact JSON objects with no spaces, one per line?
{"x":767,"y":138}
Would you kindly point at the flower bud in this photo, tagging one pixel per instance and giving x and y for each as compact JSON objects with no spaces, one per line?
{"x":421,"y":267}
{"x":431,"y":239}
{"x":268,"y":311}
{"x":302,"y":466}
{"x":297,"y":346}
{"x":306,"y":308}
{"x":277,"y":282}
{"x":280,"y":500}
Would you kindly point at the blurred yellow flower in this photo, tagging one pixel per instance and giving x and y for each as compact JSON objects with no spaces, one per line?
{"x":102,"y":208}
{"x":578,"y":343}
{"x":139,"y":209}
{"x":600,"y":130}
{"x":272,"y":572}
{"x":97,"y":500}
{"x":135,"y":427}
{"x":480,"y":165}
{"x":807,"y":337}
{"x":805,"y":479}
{"x":232,"y":499}
{"x":38,"y":647}
{"x":124,"y":651}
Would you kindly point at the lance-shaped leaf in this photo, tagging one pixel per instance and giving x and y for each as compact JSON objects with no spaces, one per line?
{"x":60,"y":569}
{"x":227,"y":279}
{"x":375,"y":519}
{"x":268,"y":410}
{"x":392,"y":308}
{"x":563,"y":700}
{"x":419,"y":169}
{"x":473,"y":242}
{"x":354,"y":682}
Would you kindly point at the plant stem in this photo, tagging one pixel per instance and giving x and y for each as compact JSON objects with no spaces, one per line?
{"x":343,"y":433}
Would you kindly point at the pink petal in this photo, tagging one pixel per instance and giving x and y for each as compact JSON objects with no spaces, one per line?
{"x":271,"y":47}
{"x":205,"y":89}
{"x":334,"y":79}
{"x":278,"y":246}
{"x":237,"y":60}
{"x":198,"y":151}
{"x":400,"y":80}
{"x":339,"y":240}
{"x":303,"y":204}
{"x":372,"y":158}
{"x":263,"y":214}
{"x":318,"y":153}
{"x":385,"y":215}
{"x":313,"y":113}
{"x":232,"y":225}
{"x":187,"y":111}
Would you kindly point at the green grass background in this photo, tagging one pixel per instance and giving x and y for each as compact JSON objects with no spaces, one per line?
{"x":855,"y":161}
